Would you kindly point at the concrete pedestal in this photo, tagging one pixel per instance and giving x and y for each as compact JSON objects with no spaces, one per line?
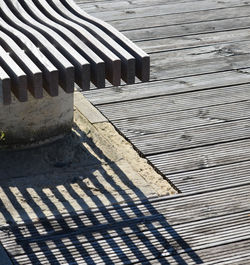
{"x":37,"y":120}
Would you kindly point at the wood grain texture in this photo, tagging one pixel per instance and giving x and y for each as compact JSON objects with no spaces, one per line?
{"x":167,"y":122}
{"x":201,"y":157}
{"x":193,"y":137}
{"x":169,"y":87}
{"x":179,"y":19}
{"x":172,"y":103}
{"x":188,"y":29}
{"x":228,"y":175}
{"x":155,"y":227}
{"x":164,"y":9}
{"x":191,"y":121}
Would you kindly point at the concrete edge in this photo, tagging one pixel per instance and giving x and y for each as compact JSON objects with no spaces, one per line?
{"x":87,"y":109}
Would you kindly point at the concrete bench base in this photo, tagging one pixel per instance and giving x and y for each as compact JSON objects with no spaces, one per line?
{"x":36,"y":120}
{"x":47,"y":44}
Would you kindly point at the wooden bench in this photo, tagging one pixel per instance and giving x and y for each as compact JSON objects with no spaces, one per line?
{"x":45,"y":44}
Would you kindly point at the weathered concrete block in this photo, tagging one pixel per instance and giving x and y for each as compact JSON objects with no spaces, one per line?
{"x":36,"y":120}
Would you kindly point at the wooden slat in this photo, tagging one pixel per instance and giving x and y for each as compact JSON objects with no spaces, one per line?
{"x":173,"y":103}
{"x":142,"y":59}
{"x":193,"y":137}
{"x":66,"y":69}
{"x":18,"y":77}
{"x":135,"y":231}
{"x":5,"y":87}
{"x":97,"y":64}
{"x":113,"y":63}
{"x":172,"y":8}
{"x":34,"y":74}
{"x":165,"y":122}
{"x":201,"y":157}
{"x":168,"y":87}
{"x":50,"y":72}
{"x":128,"y":61}
{"x":82,"y":67}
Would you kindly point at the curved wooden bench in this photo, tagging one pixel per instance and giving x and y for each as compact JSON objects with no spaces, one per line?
{"x":49,"y":43}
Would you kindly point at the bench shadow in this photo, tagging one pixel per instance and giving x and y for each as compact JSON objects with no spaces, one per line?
{"x":134,"y":232}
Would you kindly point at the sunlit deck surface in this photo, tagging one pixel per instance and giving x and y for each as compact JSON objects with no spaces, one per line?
{"x":191,"y":121}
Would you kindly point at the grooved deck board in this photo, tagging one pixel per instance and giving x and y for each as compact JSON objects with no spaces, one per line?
{"x":169,"y":87}
{"x":201,"y":157}
{"x":171,"y":8}
{"x":170,"y":121}
{"x":188,"y":29}
{"x":179,"y":19}
{"x":191,"y":121}
{"x":173,"y":103}
{"x":154,"y":229}
{"x":192,"y":137}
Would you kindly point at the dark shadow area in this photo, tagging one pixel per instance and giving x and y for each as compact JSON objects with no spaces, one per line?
{"x":117,"y":234}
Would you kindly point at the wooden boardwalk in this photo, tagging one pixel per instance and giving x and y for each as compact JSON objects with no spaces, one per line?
{"x":191,"y":121}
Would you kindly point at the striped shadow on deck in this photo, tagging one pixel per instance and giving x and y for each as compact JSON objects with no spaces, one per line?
{"x":44,"y":44}
{"x":182,"y":229}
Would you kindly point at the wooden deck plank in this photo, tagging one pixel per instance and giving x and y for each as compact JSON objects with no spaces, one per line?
{"x":232,"y":37}
{"x":4,"y":257}
{"x":193,"y":137}
{"x":234,"y":253}
{"x":210,"y":178}
{"x":101,"y":6}
{"x":179,"y":209}
{"x":174,"y":103}
{"x":191,"y":121}
{"x":194,"y":47}
{"x":169,"y":87}
{"x":152,"y":236}
{"x":171,"y":8}
{"x":166,"y":122}
{"x":196,"y":61}
{"x":179,"y":19}
{"x":201,"y":157}
{"x":188,"y":29}
{"x":172,"y":206}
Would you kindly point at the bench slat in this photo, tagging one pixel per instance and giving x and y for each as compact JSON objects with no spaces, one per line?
{"x":113,"y":63}
{"x":66,"y":69}
{"x":5,"y":87}
{"x":34,"y":74}
{"x":56,"y":43}
{"x":97,"y":64}
{"x":50,"y":72}
{"x":128,"y":61}
{"x":142,"y":59}
{"x":18,"y":77}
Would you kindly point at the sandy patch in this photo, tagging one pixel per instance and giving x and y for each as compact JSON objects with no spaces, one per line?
{"x":92,"y":167}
